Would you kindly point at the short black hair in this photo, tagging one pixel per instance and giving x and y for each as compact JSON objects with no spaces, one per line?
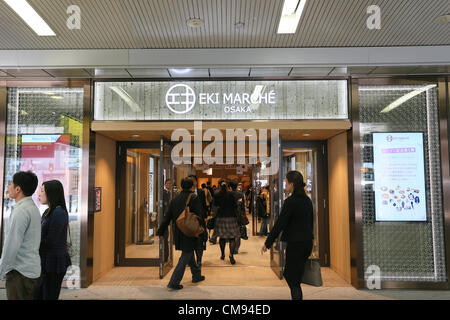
{"x":193,"y":176}
{"x":167,"y":180}
{"x":203,"y":185}
{"x":187,"y":184}
{"x":27,"y":181}
{"x":208,"y":183}
{"x":233,"y":184}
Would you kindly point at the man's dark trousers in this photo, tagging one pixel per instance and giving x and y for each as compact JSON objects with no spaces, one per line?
{"x":186,"y":258}
{"x":19,"y":287}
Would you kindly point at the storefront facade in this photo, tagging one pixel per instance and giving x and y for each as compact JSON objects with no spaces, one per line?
{"x":50,"y":128}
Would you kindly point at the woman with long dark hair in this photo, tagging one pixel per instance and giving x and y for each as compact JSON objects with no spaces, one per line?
{"x":53,"y":250}
{"x":226,"y":226}
{"x":296,"y":222}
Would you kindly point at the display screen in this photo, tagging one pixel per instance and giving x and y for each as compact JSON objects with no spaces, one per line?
{"x":399,"y":176}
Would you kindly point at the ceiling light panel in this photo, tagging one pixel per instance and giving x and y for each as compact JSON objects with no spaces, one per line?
{"x":31,"y":17}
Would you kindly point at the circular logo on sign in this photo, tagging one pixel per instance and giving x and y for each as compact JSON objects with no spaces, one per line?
{"x":389,"y":138}
{"x":180,"y":98}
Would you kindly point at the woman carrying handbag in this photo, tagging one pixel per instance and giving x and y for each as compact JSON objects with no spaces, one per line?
{"x":296,"y":222}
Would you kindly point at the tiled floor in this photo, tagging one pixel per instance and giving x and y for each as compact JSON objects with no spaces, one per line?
{"x":250,"y":278}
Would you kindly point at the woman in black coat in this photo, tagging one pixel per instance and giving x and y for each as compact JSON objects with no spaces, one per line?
{"x":53,"y":249}
{"x":296,"y":222}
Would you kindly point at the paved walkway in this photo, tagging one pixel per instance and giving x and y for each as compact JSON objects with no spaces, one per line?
{"x":198,"y":292}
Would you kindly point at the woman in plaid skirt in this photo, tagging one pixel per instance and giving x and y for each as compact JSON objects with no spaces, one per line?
{"x":226,"y":226}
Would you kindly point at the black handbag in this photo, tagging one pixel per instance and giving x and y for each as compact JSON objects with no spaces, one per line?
{"x":211,"y":222}
{"x":242,"y":220}
{"x":312,"y":274}
{"x":243,"y":230}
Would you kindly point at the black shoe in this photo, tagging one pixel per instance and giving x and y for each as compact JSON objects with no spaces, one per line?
{"x":232,"y":260}
{"x":177,"y":287}
{"x":212,"y":242}
{"x":222,"y":257}
{"x":198,"y":279}
{"x":236,"y":252}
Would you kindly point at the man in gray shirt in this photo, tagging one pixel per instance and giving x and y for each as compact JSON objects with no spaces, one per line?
{"x":20,"y":260}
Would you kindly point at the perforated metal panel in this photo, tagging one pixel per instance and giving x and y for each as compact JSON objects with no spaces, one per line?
{"x":404,"y":251}
{"x":44,"y":135}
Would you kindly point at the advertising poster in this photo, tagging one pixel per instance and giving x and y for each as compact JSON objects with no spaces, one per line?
{"x":399,"y":177}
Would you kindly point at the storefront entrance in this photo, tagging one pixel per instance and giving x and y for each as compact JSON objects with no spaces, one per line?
{"x":147,"y":179}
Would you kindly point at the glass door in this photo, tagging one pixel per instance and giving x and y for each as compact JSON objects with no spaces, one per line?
{"x":137,"y":210}
{"x":277,"y":250}
{"x":309,"y":158}
{"x":166,"y":178}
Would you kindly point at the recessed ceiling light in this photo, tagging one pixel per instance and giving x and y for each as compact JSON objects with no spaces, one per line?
{"x":30,"y":17}
{"x":290,"y":16}
{"x":56,"y":97}
{"x":195,"y":23}
{"x":134,"y":136}
{"x":442,"y":19}
{"x":306,"y":134}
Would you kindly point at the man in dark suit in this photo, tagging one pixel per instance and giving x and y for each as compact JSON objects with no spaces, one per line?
{"x":239,"y":197}
{"x":210,"y":188}
{"x":184,"y":243}
{"x":201,"y":242}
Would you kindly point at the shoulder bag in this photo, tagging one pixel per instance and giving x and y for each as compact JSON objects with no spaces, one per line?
{"x":70,"y":248}
{"x":189,"y":223}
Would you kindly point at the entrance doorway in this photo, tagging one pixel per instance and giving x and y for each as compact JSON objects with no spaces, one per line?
{"x":142,"y":170}
{"x":144,"y":167}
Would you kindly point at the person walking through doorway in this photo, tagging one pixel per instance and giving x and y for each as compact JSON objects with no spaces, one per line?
{"x":240,"y":206}
{"x":264,"y":208}
{"x":20,"y":260}
{"x":296,"y":223}
{"x":53,"y":250}
{"x":183,"y":243}
{"x":226,"y":227}
{"x":203,"y":238}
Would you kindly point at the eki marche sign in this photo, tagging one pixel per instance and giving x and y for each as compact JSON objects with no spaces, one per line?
{"x":221,"y":100}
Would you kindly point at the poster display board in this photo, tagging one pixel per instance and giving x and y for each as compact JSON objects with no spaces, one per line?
{"x":399,"y":176}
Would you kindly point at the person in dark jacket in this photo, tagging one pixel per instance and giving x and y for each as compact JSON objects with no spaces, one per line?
{"x":201,"y":242}
{"x":240,"y":205}
{"x":184,"y":243}
{"x":53,"y":250}
{"x":226,"y":226}
{"x":296,"y":223}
